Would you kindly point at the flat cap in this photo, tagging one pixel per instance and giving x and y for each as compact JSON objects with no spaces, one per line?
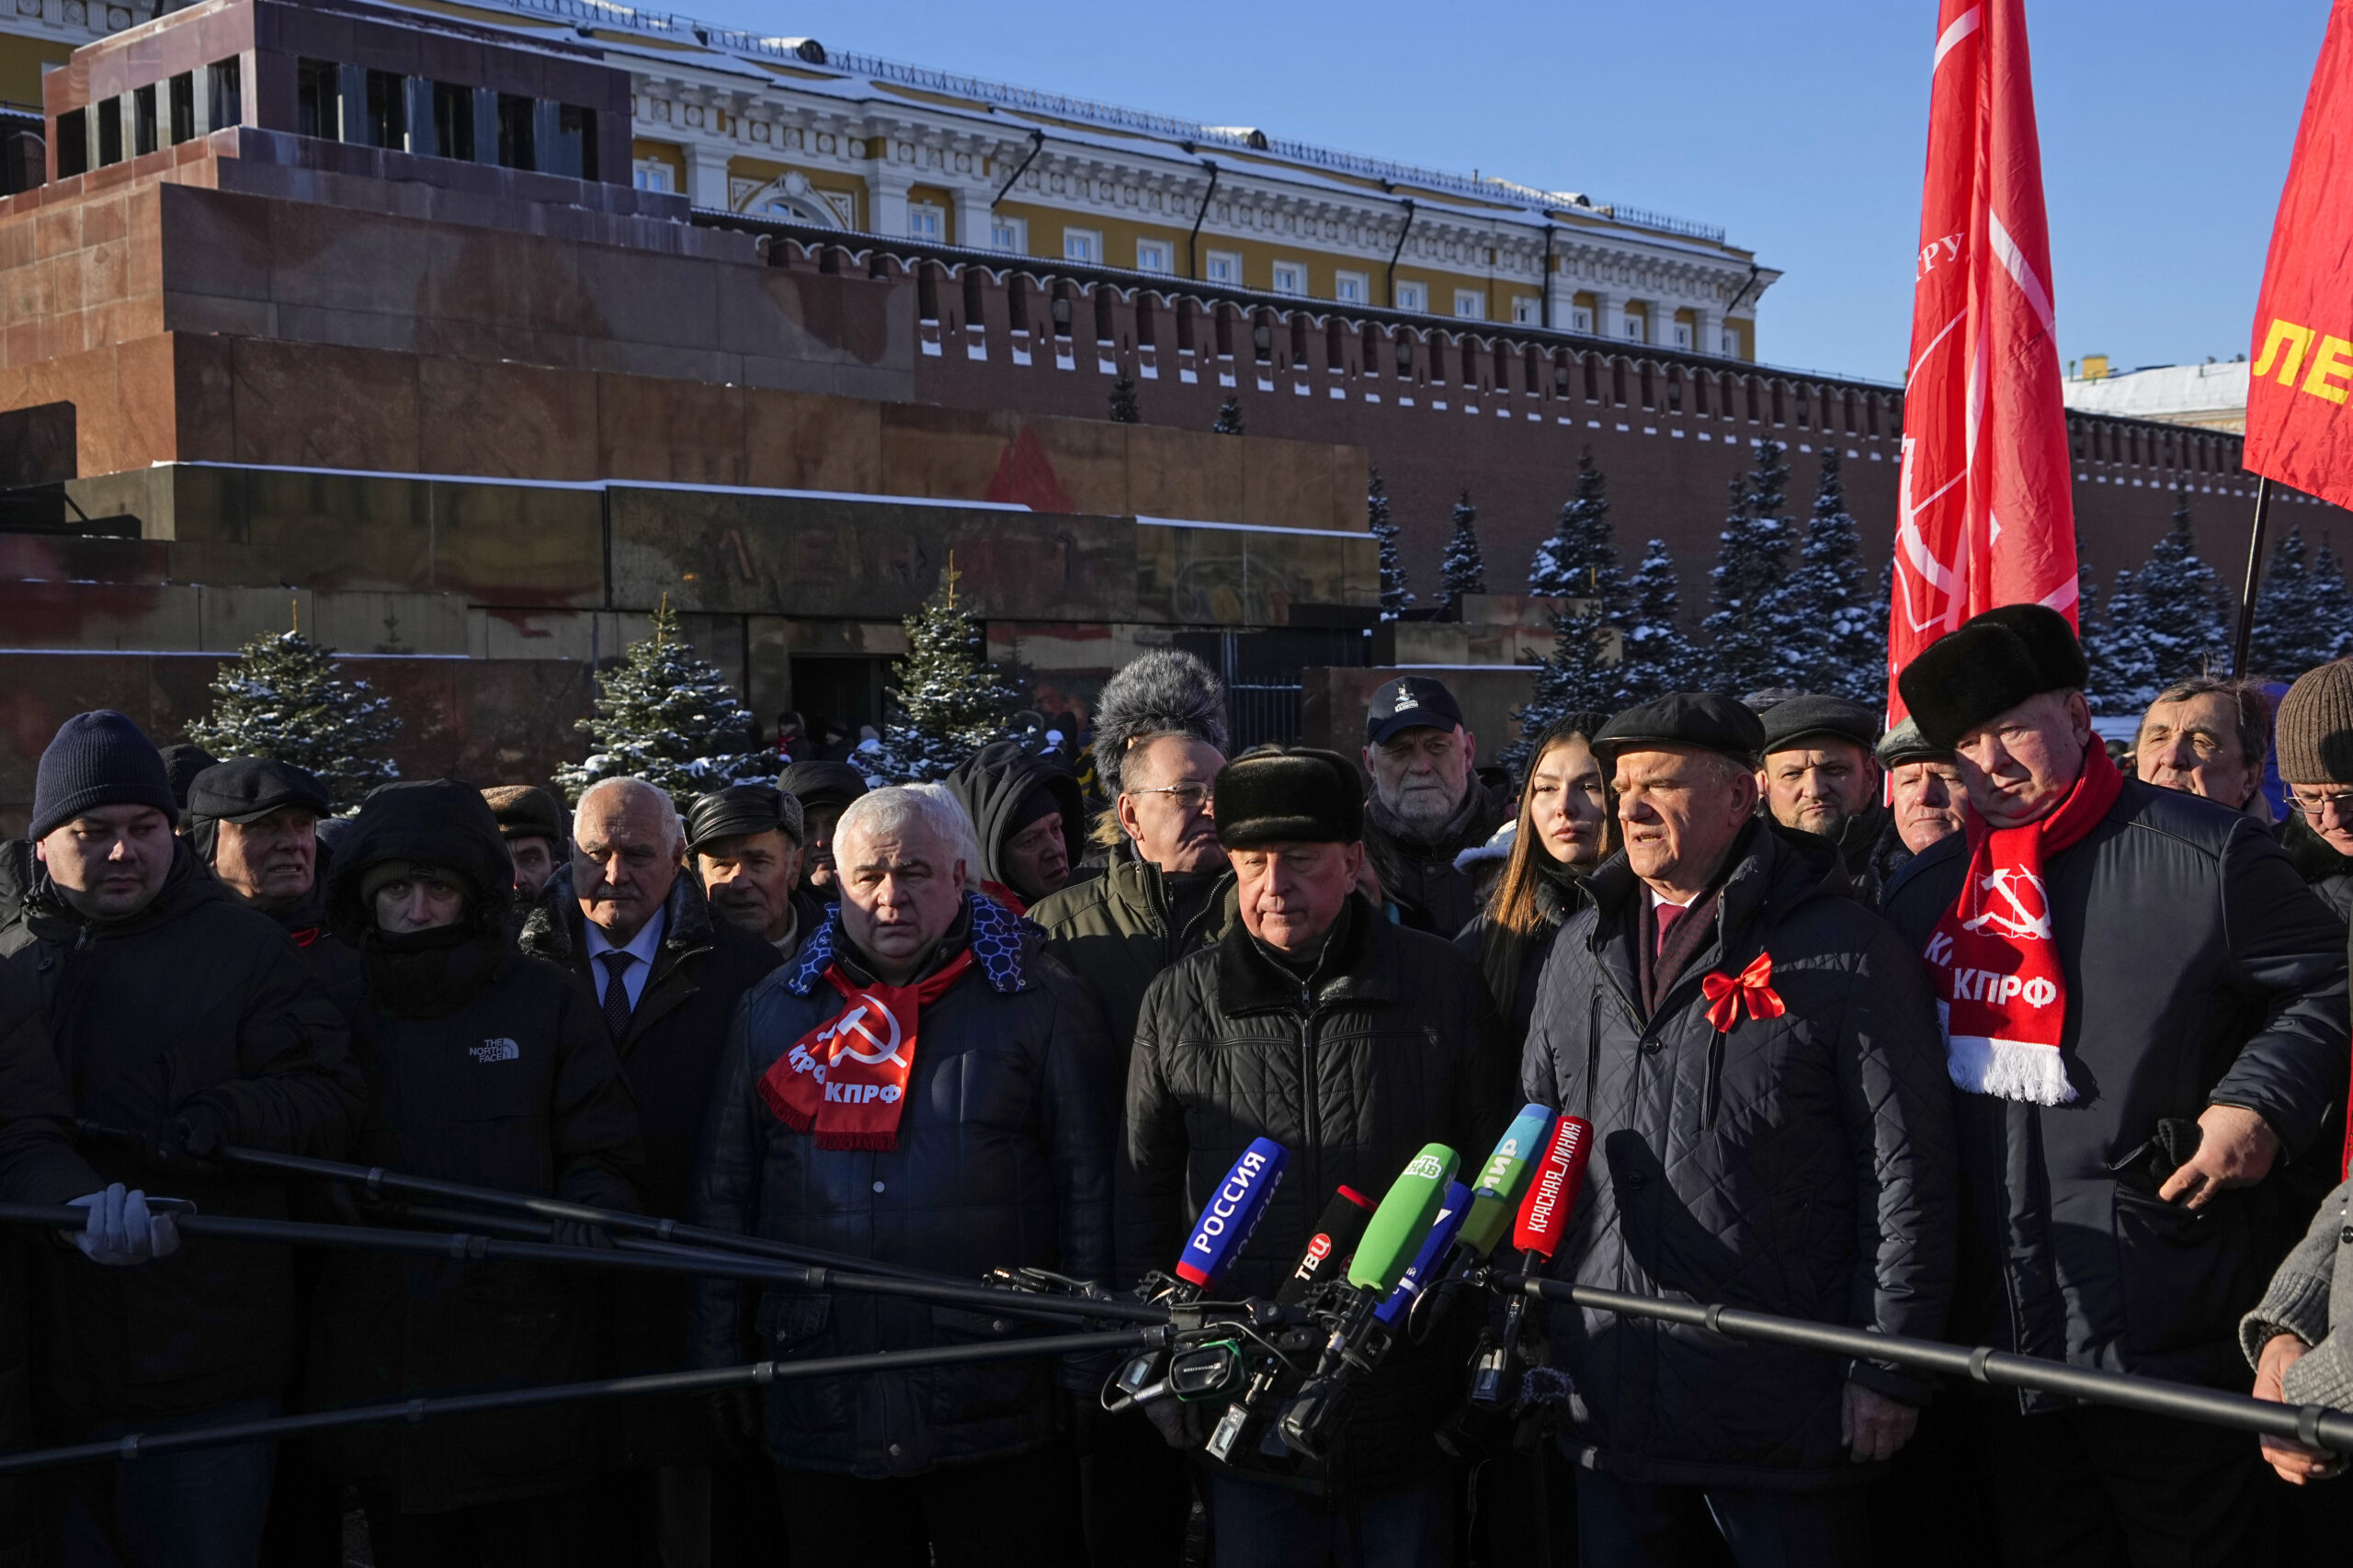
{"x":742,"y":808}
{"x":1988,"y":665}
{"x":1699,"y":719}
{"x":1795,"y":719}
{"x":1904,"y":744}
{"x":822,"y":783}
{"x":247,"y":788}
{"x":1292,"y":795}
{"x":1410,"y":702}
{"x":526,"y":811}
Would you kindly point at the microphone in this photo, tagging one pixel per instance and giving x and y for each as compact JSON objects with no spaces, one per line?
{"x":1553,"y":1195}
{"x":1399,"y":1229}
{"x":1227,"y":1221}
{"x":1544,"y":1220}
{"x":1327,"y":1251}
{"x":1495,"y":1194}
{"x":1429,"y":1260}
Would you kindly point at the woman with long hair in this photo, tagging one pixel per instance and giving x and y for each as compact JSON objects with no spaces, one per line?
{"x":1566,"y":829}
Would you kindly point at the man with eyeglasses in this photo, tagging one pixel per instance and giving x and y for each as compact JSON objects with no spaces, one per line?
{"x":1159,"y":738}
{"x":2315,"y":737}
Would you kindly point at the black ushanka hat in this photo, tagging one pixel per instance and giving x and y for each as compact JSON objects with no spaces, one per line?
{"x":1988,"y":665}
{"x":1292,"y":796}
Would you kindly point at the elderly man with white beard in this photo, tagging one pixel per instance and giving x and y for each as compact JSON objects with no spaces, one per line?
{"x":1426,"y":805}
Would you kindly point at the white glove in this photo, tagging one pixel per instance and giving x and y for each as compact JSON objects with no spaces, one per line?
{"x":120,"y":1230}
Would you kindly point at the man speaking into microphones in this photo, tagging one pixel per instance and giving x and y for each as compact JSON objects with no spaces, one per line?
{"x":1758,"y":1057}
{"x":1353,"y":1043}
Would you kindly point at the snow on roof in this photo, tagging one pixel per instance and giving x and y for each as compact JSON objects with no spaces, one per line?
{"x":2162,"y":391}
{"x":806,"y":64}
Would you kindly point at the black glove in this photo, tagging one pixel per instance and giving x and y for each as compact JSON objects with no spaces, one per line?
{"x":195,"y":1131}
{"x":580,"y":1233}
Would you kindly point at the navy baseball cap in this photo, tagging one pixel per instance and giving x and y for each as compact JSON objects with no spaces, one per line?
{"x":1410,"y":702}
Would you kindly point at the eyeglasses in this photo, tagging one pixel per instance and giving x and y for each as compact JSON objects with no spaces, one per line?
{"x":2316,"y":810}
{"x":1193,"y":796}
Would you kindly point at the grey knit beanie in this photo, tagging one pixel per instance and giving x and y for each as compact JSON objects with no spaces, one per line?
{"x":2315,"y":726}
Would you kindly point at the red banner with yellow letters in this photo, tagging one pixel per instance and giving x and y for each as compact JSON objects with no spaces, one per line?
{"x":2299,"y":429}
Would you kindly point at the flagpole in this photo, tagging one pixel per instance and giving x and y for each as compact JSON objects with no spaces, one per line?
{"x":2253,"y":570}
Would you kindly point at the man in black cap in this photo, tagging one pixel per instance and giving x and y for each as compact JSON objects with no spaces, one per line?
{"x":824,"y":789}
{"x":745,"y":842}
{"x":623,"y":914}
{"x":1820,"y":776}
{"x":1353,"y":1042}
{"x":1931,"y":803}
{"x":190,"y":1022}
{"x":537,"y":837}
{"x":255,"y":822}
{"x":2144,"y":1007}
{"x":1426,"y":805}
{"x":1758,"y":1058}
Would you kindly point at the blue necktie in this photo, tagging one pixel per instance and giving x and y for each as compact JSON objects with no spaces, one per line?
{"x":617,"y":1008}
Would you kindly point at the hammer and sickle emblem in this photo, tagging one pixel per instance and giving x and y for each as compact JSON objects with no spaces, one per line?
{"x":2022,"y":924}
{"x":855,"y":1022}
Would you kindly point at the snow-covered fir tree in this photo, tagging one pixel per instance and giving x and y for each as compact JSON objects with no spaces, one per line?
{"x":1580,"y":561}
{"x":2180,"y":615}
{"x":2290,"y":634}
{"x":1126,"y":407}
{"x":2332,"y":601}
{"x":951,"y":701}
{"x":1658,"y":658}
{"x":1577,"y":674}
{"x":1377,"y":522}
{"x":665,"y":716}
{"x":1229,"y":417}
{"x":1754,"y":635}
{"x":1462,"y":570}
{"x":2123,"y":668}
{"x":283,"y":698}
{"x":1837,"y":635}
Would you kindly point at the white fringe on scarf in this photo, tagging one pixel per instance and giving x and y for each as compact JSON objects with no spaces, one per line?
{"x":2009,"y":1069}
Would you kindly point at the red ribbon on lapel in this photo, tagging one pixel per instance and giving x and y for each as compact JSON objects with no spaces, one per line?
{"x":1754,"y":984}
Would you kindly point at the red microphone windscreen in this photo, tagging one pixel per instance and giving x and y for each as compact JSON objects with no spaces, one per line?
{"x":1553,"y":1195}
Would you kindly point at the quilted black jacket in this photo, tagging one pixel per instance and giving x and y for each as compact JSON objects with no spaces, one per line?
{"x":1393,"y":1044}
{"x":1802,"y":1165}
{"x":1003,"y":1159}
{"x":2200,"y":971}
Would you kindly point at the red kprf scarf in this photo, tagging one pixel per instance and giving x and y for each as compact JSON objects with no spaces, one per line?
{"x":847,"y":1078}
{"x":2001,"y":993}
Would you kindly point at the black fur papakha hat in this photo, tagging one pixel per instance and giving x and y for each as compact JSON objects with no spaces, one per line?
{"x":1289,"y":796}
{"x":1988,"y":665}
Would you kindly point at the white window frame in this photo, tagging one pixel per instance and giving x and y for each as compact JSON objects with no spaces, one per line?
{"x":1412,"y":296}
{"x":1156,"y":256}
{"x":1083,"y":245}
{"x":1681,"y":334}
{"x":1222,"y":266}
{"x":652,"y":173}
{"x":1470,"y":304}
{"x":1527,"y":310}
{"x":1580,"y":318}
{"x":1732,"y":343}
{"x":1636,"y":327}
{"x":1290,"y":278}
{"x":927,"y":221}
{"x":1352,"y":288}
{"x":1010,"y":235}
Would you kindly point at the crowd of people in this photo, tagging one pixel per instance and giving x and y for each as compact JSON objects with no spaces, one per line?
{"x":1970,"y":1030}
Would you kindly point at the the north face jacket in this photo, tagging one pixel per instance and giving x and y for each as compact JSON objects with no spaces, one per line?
{"x":1800,"y":1164}
{"x":2201,"y":971}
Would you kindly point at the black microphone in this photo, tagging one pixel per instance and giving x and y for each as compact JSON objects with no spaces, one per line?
{"x":1327,"y":1251}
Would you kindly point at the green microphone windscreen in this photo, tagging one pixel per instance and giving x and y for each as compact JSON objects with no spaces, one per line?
{"x":1403,"y":1221}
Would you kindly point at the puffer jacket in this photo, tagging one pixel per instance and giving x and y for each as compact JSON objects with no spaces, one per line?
{"x":1800,"y":1164}
{"x":1390,"y":1044}
{"x":194,"y":999}
{"x":1558,"y":896}
{"x":2200,"y":972}
{"x":1112,"y":931}
{"x":1003,"y":1160}
{"x":669,"y":1055}
{"x":1419,"y":875}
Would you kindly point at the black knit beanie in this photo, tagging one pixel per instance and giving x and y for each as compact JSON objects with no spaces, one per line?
{"x":99,"y":758}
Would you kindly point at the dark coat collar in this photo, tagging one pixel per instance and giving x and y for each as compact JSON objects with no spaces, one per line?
{"x":557,"y":930}
{"x":1358,"y":966}
{"x":1772,"y":871}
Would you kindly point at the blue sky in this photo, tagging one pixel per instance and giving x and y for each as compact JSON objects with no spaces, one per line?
{"x":1800,"y":125}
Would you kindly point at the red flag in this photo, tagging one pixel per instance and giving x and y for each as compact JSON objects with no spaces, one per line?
{"x":2297,"y":431}
{"x":1985,"y":514}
